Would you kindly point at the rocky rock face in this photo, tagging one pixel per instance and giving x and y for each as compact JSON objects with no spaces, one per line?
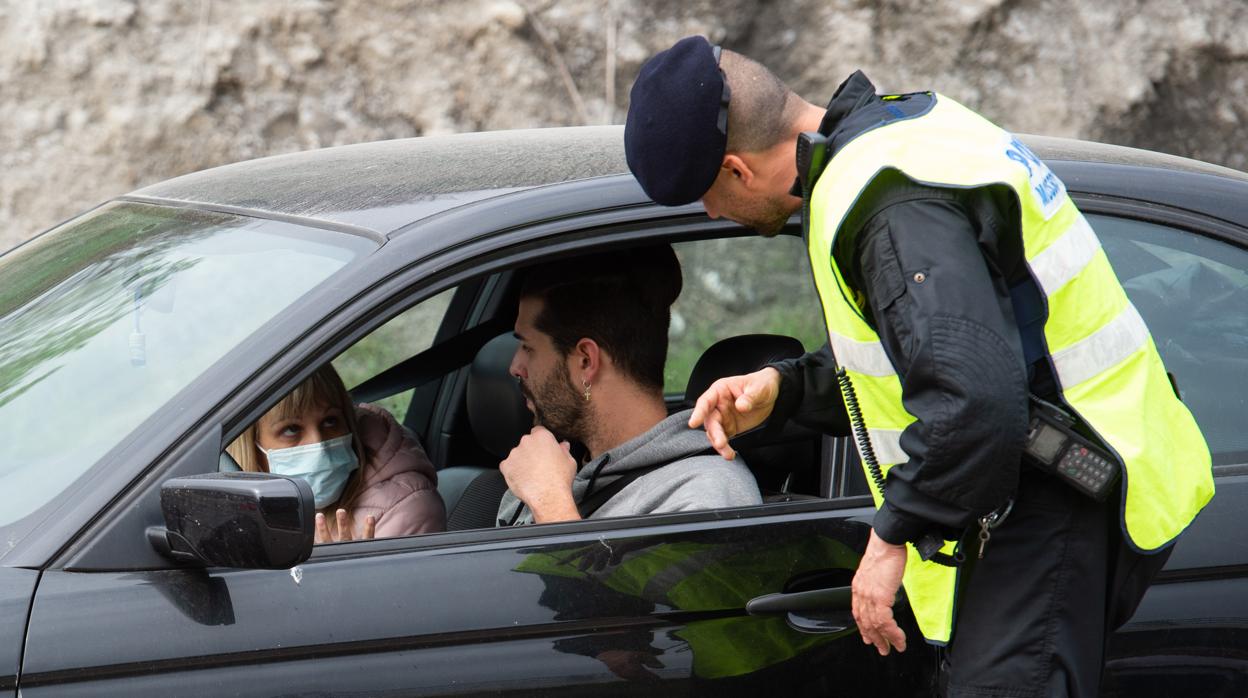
{"x":103,"y":96}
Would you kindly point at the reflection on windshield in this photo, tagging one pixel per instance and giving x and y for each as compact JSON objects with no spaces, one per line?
{"x":105,"y":319}
{"x":66,"y":316}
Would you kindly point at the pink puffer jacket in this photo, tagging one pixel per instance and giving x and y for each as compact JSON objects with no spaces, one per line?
{"x":400,"y":484}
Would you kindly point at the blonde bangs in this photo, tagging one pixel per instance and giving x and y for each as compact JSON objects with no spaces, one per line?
{"x":316,"y":391}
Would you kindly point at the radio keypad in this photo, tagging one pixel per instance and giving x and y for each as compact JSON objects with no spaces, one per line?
{"x":1086,"y":469}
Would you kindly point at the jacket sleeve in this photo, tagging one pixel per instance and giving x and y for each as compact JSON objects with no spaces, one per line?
{"x":809,"y":394}
{"x":421,"y":511}
{"x":944,"y":317}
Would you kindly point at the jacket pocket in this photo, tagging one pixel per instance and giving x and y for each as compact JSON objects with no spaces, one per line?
{"x":885,"y":282}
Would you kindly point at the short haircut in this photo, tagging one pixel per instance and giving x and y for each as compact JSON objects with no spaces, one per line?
{"x":762,"y":107}
{"x":621,"y":299}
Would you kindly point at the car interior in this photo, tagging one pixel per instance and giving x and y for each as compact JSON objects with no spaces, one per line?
{"x":468,"y":414}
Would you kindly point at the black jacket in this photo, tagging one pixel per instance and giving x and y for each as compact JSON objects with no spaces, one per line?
{"x":936,"y":267}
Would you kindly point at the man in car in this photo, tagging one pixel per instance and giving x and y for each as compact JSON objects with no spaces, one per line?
{"x":593,"y":343}
{"x":957,"y":278}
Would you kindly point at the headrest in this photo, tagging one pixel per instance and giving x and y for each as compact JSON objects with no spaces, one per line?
{"x":496,"y":408}
{"x":774,"y":456}
{"x":738,"y":355}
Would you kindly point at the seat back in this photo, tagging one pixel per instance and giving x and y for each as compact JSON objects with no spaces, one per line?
{"x":498,"y":417}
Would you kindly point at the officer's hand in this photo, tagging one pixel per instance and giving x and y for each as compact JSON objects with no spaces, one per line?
{"x":735,"y":404}
{"x":875,"y":589}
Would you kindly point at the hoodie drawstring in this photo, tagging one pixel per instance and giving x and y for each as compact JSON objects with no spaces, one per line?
{"x":606,"y":458}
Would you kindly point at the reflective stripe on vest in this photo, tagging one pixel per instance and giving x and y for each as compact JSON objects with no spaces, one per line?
{"x":1102,"y":354}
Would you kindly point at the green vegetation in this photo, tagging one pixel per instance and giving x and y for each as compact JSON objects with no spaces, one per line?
{"x":404,"y":336}
{"x":739,"y":286}
{"x":801,"y":322}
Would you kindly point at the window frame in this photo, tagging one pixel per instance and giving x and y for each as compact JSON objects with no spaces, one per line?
{"x":451,"y":390}
{"x":486,"y":306}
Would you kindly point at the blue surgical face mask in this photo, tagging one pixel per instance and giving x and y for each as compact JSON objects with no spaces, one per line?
{"x":325,"y":466}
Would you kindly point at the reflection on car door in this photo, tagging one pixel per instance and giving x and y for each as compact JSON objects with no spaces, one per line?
{"x":581,"y":611}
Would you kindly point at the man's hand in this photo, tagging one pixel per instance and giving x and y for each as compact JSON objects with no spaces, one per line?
{"x":343,"y":529}
{"x":539,"y":470}
{"x":735,"y":404}
{"x":875,"y":589}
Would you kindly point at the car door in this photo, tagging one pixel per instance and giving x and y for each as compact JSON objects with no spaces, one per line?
{"x":589,"y":608}
{"x":1188,"y":276}
{"x":656,"y":603}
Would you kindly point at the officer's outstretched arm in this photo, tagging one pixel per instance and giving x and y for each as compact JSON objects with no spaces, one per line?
{"x":735,"y":404}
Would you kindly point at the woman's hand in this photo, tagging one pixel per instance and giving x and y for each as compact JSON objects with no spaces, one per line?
{"x":344,"y":528}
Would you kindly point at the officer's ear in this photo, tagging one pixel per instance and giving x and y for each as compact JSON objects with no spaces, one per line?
{"x":738,"y":170}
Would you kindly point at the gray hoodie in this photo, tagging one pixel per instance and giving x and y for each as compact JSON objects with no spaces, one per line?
{"x":690,"y":481}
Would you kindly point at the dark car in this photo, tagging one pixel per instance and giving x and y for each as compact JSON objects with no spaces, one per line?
{"x":139,"y":339}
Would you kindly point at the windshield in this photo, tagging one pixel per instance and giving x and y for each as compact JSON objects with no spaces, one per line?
{"x":104,"y":319}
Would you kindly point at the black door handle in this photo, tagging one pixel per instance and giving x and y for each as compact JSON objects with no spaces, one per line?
{"x":833,"y":599}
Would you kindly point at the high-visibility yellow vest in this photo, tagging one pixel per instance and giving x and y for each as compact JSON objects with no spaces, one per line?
{"x":1102,"y":355}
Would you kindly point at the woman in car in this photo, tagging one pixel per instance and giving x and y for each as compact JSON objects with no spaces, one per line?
{"x":369,"y":474}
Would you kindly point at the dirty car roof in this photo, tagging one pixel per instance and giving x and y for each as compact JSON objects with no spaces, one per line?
{"x":384,"y":185}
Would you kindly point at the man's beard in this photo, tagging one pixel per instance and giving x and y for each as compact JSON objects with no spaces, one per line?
{"x":772,"y":219}
{"x":766,"y":217}
{"x":559,"y":407}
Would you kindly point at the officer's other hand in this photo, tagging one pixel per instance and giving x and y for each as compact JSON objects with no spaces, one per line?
{"x":875,"y":590}
{"x":734,"y":405}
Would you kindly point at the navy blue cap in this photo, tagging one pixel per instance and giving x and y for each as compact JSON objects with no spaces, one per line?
{"x":677,"y":132}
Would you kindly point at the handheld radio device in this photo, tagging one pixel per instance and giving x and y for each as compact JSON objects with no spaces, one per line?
{"x":1055,"y":447}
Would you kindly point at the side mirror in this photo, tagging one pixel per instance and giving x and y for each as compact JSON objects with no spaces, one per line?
{"x":245,"y":520}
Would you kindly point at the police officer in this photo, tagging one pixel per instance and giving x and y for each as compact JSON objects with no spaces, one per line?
{"x":958,"y":280}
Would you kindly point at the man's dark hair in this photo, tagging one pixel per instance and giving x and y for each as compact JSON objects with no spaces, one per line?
{"x":762,"y":108}
{"x":621,"y":299}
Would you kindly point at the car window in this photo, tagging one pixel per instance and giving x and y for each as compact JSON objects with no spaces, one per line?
{"x":1192,"y":291}
{"x":404,"y":336}
{"x":732,"y":287}
{"x":104,"y":319}
{"x":736,"y":286}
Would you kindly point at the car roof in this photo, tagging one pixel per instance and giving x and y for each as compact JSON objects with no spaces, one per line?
{"x":1073,"y":150}
{"x":383,"y":186}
